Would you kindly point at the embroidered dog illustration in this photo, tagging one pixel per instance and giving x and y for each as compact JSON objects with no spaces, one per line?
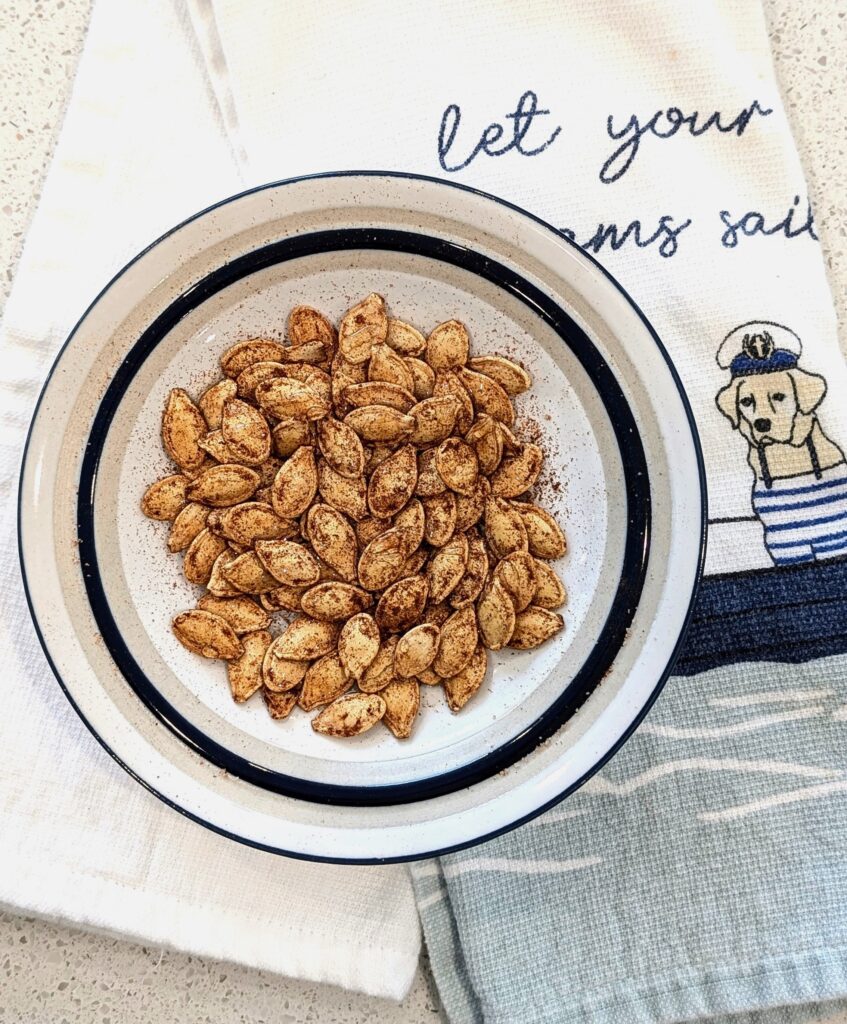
{"x":800,"y":488}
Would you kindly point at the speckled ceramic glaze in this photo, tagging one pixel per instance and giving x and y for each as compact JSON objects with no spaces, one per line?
{"x":622,"y":475}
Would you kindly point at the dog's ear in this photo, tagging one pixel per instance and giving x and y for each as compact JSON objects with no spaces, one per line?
{"x":810,"y":389}
{"x":727,"y":401}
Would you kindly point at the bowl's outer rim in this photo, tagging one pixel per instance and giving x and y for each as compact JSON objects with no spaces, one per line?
{"x":701,"y":540}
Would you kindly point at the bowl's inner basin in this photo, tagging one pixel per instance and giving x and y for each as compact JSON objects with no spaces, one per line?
{"x":582,"y":485}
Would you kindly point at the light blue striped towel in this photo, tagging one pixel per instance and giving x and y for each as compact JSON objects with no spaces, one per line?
{"x":702,"y":873}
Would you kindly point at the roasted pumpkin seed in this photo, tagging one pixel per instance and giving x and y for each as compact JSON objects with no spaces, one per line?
{"x":358,"y":644}
{"x":343,"y":374}
{"x":402,"y":703}
{"x":379,"y":392}
{"x":245,"y":353}
{"x":392,"y":483}
{"x":362,"y":327}
{"x":245,"y":672}
{"x":350,"y":715}
{"x":487,"y":441}
{"x":346,"y":495}
{"x":242,"y":613}
{"x":457,"y":642}
{"x":166,"y":498}
{"x":251,"y":377}
{"x":504,"y":528}
{"x":288,"y":398}
{"x":550,"y":592}
{"x":281,"y":674}
{"x":412,"y":519}
{"x":251,"y":521}
{"x":544,"y":535}
{"x":488,"y":397}
{"x":215,"y":446}
{"x":288,"y":435}
{"x":279,"y":705}
{"x":447,"y":346}
{"x":382,"y":561}
{"x":429,"y":479}
{"x":381,"y":670}
{"x":440,"y":513}
{"x":516,"y":574}
{"x":390,"y":368}
{"x":224,"y":485}
{"x":290,"y":563}
{"x":247,"y":574}
{"x":369,"y":528}
{"x":496,"y":615}
{"x":213,"y":399}
{"x":534,"y":626}
{"x":402,"y":603}
{"x":513,"y":379}
{"x":325,"y":680}
{"x":305,"y":639}
{"x":282,"y":599}
{"x":341,"y":447}
{"x":517,"y":474}
{"x":219,"y":585}
{"x":446,"y":568}
{"x":404,"y":338}
{"x":306,"y":325}
{"x":423,"y":378}
{"x":459,"y":689}
{"x":457,"y":465}
{"x":295,"y":484}
{"x":335,"y":601}
{"x":246,"y":432}
{"x":333,"y":539}
{"x":433,"y":419}
{"x":449,"y":384}
{"x":207,"y":634}
{"x":380,"y":423}
{"x":201,"y":555}
{"x":416,"y":650}
{"x":182,"y":427}
{"x":469,"y":507}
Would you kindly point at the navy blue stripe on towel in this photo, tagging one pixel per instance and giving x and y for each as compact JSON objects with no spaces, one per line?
{"x":781,"y":506}
{"x":790,"y":613}
{"x":800,"y":490}
{"x":827,"y":538}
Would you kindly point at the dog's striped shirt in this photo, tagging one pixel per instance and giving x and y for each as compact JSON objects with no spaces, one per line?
{"x":805,"y":517}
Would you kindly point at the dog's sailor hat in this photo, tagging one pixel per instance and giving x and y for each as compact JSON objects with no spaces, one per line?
{"x":759,"y":346}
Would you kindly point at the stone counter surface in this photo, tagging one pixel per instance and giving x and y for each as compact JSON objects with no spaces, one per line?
{"x":52,"y":974}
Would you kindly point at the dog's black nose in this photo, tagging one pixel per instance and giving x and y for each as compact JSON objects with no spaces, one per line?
{"x":762,"y":424}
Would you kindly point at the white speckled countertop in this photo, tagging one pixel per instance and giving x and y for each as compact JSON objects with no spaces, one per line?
{"x":51,"y":973}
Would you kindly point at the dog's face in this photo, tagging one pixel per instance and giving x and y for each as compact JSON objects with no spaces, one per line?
{"x":764,"y":407}
{"x":767,"y":406}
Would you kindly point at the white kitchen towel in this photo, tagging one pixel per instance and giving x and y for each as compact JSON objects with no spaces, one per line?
{"x":652,"y":133}
{"x":143,"y":147}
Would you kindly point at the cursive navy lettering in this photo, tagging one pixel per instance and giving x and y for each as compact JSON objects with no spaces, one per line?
{"x":754,"y":223}
{"x":666,"y":234}
{"x":664,"y":124}
{"x":522,"y":118}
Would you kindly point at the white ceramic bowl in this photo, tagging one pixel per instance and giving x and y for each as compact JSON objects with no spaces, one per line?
{"x":624,"y":475}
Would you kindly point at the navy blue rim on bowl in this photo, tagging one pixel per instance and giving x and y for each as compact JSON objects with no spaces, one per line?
{"x":636,"y":548}
{"x":700,"y":540}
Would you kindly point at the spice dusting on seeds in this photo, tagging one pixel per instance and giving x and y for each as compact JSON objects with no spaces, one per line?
{"x":375,"y":482}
